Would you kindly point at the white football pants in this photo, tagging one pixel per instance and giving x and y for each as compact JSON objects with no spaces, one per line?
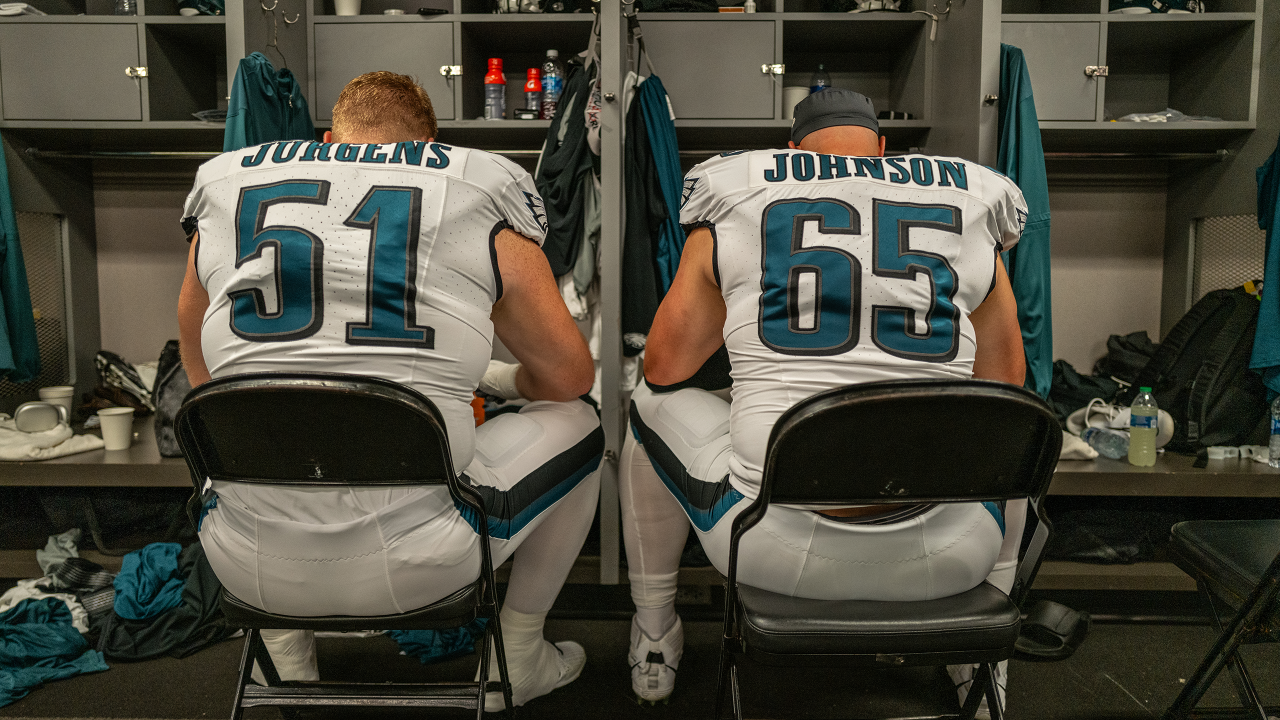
{"x":675,"y":470}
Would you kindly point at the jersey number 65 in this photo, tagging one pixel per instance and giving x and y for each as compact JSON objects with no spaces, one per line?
{"x":811,"y":296}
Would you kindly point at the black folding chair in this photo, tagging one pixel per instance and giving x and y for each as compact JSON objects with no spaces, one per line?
{"x":1236,"y":564}
{"x":337,"y":430}
{"x":915,"y":441}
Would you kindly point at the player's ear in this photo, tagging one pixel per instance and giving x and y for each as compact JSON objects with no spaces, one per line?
{"x":328,"y":136}
{"x":882,"y":139}
{"x":791,"y":144}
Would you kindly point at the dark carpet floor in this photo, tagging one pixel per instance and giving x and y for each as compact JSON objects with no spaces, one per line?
{"x":1122,"y":671}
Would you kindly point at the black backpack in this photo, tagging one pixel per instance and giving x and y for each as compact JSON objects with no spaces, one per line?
{"x":170,"y":390}
{"x":1200,"y":375}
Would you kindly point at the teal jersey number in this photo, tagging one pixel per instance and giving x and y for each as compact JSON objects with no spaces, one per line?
{"x":809,"y":296}
{"x":810,"y":300}
{"x":299,"y":310}
{"x":893,"y":329}
{"x":392,"y":216}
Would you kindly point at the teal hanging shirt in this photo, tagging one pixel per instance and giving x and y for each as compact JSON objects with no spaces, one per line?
{"x":1021,"y":159}
{"x":1266,"y":339}
{"x":661,"y":130}
{"x":19,"y":351}
{"x":265,"y":105}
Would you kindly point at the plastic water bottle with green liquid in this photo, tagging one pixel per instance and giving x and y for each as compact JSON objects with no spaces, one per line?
{"x":1143,"y":428}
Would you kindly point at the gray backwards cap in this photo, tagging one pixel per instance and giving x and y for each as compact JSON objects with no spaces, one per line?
{"x":831,"y":108}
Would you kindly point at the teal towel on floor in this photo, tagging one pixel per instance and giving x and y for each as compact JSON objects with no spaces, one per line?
{"x":149,"y":582}
{"x":39,"y":644}
{"x":435,"y":645}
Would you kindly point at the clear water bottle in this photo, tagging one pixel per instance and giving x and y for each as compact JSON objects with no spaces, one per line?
{"x":552,"y":84}
{"x":1143,"y":428}
{"x":495,"y":91}
{"x":1109,"y":443}
{"x":126,"y":7}
{"x":1274,"y":458}
{"x":533,"y":90}
{"x":820,"y":81}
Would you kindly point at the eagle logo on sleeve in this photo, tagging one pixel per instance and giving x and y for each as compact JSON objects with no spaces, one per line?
{"x":534,"y":203}
{"x":689,"y":185}
{"x":1022,"y":220}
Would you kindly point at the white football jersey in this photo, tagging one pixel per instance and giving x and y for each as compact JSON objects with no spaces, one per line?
{"x":372,"y":259}
{"x":838,"y":270}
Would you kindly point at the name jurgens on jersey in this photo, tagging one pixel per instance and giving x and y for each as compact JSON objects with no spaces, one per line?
{"x":404,"y":153}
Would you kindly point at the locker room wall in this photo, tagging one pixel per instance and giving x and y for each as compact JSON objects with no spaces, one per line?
{"x":142,"y":256}
{"x":1107,"y":258}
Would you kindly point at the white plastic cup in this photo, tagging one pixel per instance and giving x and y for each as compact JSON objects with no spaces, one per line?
{"x":346,"y":7}
{"x":791,"y":96}
{"x":117,"y":427}
{"x":63,"y":395}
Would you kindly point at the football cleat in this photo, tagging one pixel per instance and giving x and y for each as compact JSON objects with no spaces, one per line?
{"x":654,"y":662}
{"x":569,"y":657}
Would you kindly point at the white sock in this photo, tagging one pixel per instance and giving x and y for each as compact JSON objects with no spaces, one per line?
{"x":655,"y":600}
{"x":293,"y":652}
{"x":532,"y":662}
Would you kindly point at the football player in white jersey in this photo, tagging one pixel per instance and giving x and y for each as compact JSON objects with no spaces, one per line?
{"x":383,"y":253}
{"x":816,"y":267}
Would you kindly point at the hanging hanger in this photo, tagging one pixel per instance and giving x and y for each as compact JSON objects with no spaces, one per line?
{"x":636,"y":34}
{"x":274,"y":43}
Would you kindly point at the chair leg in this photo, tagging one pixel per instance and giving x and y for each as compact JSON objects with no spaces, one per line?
{"x":246,"y":669}
{"x":1245,"y":689}
{"x":503,"y":677}
{"x":722,"y":675}
{"x":733,"y":688}
{"x":977,"y":688}
{"x":484,"y":673}
{"x":994,"y":702}
{"x":1224,"y":653}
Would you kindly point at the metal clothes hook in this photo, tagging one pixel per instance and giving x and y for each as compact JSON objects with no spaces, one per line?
{"x":945,"y":11}
{"x":274,"y":43}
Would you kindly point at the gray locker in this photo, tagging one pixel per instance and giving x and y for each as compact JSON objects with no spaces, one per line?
{"x":346,"y":50}
{"x":69,"y":72}
{"x":1057,"y":54}
{"x":711,"y":68}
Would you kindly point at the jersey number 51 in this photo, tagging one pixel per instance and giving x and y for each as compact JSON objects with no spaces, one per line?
{"x":390,"y":214}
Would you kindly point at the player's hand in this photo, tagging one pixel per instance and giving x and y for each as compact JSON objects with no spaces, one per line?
{"x":499,"y":380}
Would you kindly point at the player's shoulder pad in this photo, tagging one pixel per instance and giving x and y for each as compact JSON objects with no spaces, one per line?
{"x":719,"y":174}
{"x":993,"y":185}
{"x":483,"y":165}
{"x":221,"y":166}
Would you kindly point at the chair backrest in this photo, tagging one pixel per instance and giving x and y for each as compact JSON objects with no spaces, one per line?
{"x":912,"y":441}
{"x":313,"y":429}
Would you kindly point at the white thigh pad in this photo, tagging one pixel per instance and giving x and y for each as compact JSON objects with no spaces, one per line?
{"x":696,"y":415}
{"x":503,"y":439}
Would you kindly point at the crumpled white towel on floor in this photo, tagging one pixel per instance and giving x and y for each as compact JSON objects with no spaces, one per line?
{"x":18,"y":445}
